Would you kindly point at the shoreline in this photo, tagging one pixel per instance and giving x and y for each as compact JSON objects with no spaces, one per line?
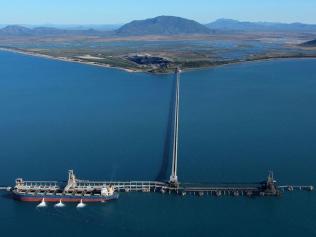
{"x":220,"y":64}
{"x":267,"y":59}
{"x":64,"y":59}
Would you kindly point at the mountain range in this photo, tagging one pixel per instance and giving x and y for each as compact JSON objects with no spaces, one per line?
{"x":234,"y":25}
{"x":18,"y":30}
{"x":161,"y":25}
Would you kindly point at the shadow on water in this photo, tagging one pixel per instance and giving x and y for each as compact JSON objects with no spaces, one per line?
{"x":6,"y":195}
{"x":162,"y":175}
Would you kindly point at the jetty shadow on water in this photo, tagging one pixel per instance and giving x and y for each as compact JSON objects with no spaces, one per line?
{"x":163,"y":171}
{"x":6,"y":195}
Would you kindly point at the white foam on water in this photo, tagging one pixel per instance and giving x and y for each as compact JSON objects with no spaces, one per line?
{"x":60,"y":204}
{"x":42,"y":204}
{"x":81,"y":204}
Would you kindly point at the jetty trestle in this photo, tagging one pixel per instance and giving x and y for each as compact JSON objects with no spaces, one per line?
{"x":174,"y":169}
{"x":74,"y":185}
{"x":165,"y":187}
{"x":5,"y":188}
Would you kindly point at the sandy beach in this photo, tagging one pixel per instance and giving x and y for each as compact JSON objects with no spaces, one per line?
{"x":65,"y":59}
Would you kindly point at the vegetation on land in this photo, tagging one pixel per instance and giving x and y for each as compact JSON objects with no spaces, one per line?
{"x":161,"y":44}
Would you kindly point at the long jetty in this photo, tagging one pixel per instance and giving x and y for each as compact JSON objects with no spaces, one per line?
{"x":265,"y":188}
{"x":269,"y":187}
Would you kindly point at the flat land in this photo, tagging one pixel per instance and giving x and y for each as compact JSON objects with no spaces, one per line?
{"x":162,"y":54}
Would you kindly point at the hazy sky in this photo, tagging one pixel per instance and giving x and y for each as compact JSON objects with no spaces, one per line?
{"x":122,"y":11}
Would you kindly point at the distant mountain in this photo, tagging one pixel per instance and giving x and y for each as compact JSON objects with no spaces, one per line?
{"x":98,"y":27}
{"x":229,"y":24}
{"x":311,"y":43}
{"x":17,"y":30}
{"x":47,"y":31}
{"x":163,"y":25}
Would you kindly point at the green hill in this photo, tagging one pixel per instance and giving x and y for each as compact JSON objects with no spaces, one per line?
{"x":311,"y":43}
{"x":163,"y":25}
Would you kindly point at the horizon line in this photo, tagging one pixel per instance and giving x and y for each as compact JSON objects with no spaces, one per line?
{"x":117,"y":24}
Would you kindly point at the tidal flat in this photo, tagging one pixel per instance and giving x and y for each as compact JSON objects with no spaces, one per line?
{"x":162,"y":54}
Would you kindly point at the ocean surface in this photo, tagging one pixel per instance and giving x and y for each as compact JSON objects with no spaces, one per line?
{"x":237,"y":122}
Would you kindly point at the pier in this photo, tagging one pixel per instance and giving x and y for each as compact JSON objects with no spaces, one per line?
{"x":4,"y":188}
{"x":268,"y":187}
{"x":74,"y":185}
{"x":174,"y":177}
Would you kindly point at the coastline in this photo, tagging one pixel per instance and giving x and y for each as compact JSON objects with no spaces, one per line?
{"x":267,"y":59}
{"x":216,"y":64}
{"x":65,"y":59}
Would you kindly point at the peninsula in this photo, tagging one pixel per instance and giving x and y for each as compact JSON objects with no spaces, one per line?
{"x":161,"y":44}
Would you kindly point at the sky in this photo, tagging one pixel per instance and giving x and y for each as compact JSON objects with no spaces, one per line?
{"x":123,"y":11}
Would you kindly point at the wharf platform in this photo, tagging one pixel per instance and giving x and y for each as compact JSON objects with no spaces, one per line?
{"x":269,"y":187}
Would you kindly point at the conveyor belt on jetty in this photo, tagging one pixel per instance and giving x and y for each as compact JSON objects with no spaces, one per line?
{"x":75,"y":186}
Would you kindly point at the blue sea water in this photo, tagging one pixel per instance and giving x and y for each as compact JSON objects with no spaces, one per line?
{"x":236,"y":123}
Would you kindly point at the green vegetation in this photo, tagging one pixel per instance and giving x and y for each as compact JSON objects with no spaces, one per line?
{"x":311,"y":43}
{"x":162,"y":54}
{"x":163,"y":25}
